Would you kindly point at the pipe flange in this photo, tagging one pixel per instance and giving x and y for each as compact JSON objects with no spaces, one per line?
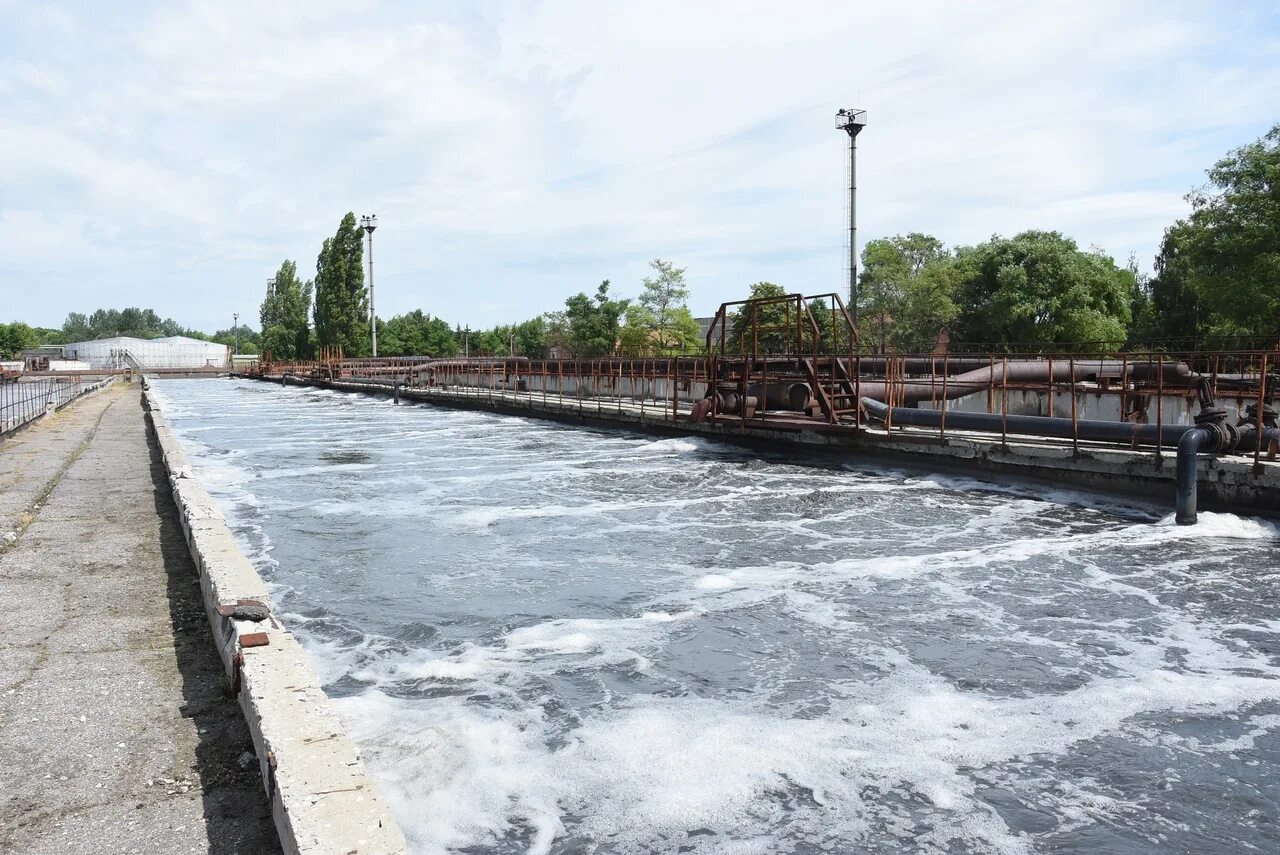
{"x":1225,"y":436}
{"x":1209,"y":415}
{"x":1250,"y":417}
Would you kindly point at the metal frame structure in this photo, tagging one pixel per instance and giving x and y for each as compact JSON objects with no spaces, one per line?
{"x":796,"y":363}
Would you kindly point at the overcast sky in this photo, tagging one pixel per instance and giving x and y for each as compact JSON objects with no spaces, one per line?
{"x":170,"y":155}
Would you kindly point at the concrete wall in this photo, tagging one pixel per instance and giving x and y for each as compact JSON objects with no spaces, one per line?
{"x":322,"y":801}
{"x":651,"y":390}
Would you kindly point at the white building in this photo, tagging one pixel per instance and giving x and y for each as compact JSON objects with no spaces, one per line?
{"x":175,"y":351}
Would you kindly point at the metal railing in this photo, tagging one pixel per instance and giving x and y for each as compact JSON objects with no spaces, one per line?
{"x":24,"y":400}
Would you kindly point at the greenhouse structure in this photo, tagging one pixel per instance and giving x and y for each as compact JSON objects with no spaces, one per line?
{"x":175,"y":351}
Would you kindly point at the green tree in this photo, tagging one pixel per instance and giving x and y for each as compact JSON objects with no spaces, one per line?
{"x":284,"y":314}
{"x":661,"y":321}
{"x":76,"y":327}
{"x":1218,"y":271}
{"x":637,"y":327}
{"x":1039,"y":287}
{"x":16,"y":337}
{"x":906,"y":291}
{"x":642,"y":334}
{"x":531,"y":338}
{"x":244,"y":337}
{"x":492,"y":342}
{"x":593,"y":322}
{"x":416,"y":334}
{"x":341,"y":298}
{"x":1143,"y":318}
{"x":556,"y":331}
{"x":1178,"y":311}
{"x":773,"y":324}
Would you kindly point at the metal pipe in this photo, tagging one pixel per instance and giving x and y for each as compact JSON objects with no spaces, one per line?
{"x":782,"y":396}
{"x":1197,"y":441}
{"x":1191,"y":440}
{"x":1093,"y":430}
{"x":967,"y":383}
{"x":1189,"y":446}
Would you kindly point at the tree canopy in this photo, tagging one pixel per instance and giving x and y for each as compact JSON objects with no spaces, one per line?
{"x":1039,"y":287}
{"x":17,"y":337}
{"x":416,"y":334}
{"x":1218,"y":271}
{"x":588,"y":326}
{"x":341,"y":298}
{"x":906,"y":291}
{"x":771,"y":323}
{"x":284,"y":315}
{"x":132,"y":322}
{"x":660,"y":321}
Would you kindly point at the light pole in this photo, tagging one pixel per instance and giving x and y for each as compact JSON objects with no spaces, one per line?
{"x":235,"y":329}
{"x":852,"y":121}
{"x":369,"y":222}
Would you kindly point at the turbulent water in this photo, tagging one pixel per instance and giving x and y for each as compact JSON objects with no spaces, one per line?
{"x":547,"y":639}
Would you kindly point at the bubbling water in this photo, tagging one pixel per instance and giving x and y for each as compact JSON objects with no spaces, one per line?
{"x":548,"y":639}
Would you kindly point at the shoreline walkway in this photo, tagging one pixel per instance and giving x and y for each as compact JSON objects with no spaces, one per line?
{"x":115,"y":733}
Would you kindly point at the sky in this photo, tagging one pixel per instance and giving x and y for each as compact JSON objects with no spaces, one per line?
{"x":171,"y":155}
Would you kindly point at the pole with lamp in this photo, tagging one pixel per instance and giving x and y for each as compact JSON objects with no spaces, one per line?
{"x":852,"y":121}
{"x":235,"y":331}
{"x":369,"y":222}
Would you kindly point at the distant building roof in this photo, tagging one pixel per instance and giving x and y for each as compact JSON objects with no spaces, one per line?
{"x":184,"y":338}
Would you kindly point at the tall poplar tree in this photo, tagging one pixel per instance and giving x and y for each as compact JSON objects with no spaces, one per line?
{"x":284,"y":314}
{"x":342,"y":301}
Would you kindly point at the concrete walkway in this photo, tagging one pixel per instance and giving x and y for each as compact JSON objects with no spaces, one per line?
{"x":115,"y":733}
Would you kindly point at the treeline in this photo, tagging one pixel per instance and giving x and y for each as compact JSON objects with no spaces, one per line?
{"x":1216,"y":279}
{"x":1035,"y":288}
{"x":108,"y":323}
{"x":332,"y":310}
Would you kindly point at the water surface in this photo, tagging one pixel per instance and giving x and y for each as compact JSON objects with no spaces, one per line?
{"x":548,"y":639}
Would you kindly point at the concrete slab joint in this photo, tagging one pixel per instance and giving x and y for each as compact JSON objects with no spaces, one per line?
{"x":322,"y":800}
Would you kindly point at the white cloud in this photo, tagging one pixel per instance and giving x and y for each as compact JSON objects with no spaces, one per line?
{"x":171,"y":156}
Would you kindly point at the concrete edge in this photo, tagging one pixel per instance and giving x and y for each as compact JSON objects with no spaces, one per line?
{"x":322,"y":801}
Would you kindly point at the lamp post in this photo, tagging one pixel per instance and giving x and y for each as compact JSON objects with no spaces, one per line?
{"x":235,"y":330}
{"x":369,"y":222}
{"x":852,"y":121}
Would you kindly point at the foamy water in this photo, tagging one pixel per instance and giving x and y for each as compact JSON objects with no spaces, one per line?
{"x":548,"y":639}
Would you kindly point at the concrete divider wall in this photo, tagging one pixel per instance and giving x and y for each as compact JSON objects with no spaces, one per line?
{"x":321,"y":799}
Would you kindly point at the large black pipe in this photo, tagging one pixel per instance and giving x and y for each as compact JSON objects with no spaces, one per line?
{"x":1190,"y":446}
{"x":1086,"y":429}
{"x":1190,"y":440}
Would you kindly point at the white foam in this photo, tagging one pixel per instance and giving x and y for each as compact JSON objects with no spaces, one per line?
{"x":610,"y":730}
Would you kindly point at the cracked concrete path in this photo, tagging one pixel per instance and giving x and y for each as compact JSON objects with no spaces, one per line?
{"x":31,"y":459}
{"x":115,"y":733}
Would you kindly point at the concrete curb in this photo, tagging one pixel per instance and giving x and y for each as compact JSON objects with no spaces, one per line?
{"x":321,"y":799}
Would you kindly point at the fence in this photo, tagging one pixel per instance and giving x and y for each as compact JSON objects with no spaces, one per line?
{"x":22,"y":401}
